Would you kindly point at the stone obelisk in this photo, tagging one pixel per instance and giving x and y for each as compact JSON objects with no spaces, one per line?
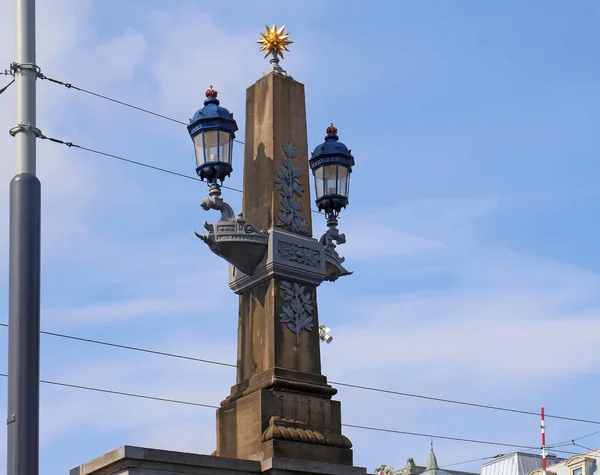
{"x":281,"y":405}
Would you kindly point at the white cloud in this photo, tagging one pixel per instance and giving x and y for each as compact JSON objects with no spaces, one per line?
{"x":159,"y":277}
{"x":70,"y":186}
{"x":57,"y":192}
{"x":60,"y":29}
{"x":374,"y":240}
{"x":66,"y":411}
{"x":423,"y":228}
{"x":117,"y":59}
{"x":190,"y":53}
{"x":492,"y":325}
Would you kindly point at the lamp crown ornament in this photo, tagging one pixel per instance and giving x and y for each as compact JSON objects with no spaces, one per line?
{"x":211,"y":93}
{"x":331,"y":130}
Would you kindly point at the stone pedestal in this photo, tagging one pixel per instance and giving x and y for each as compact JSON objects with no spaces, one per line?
{"x":281,"y":404}
{"x":272,"y":422}
{"x":128,"y":460}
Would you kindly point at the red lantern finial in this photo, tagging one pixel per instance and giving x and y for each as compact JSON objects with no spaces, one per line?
{"x":331,"y":130}
{"x":211,"y":93}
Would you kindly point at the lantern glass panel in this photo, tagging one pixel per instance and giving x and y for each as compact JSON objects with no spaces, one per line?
{"x":319,"y":182}
{"x":342,"y":180}
{"x":330,"y":179}
{"x":211,"y":149}
{"x":225,"y":144}
{"x":199,"y":149}
{"x":348,"y":185}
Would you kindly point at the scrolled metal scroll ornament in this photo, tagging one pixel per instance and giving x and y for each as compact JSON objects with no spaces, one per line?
{"x":330,"y":240}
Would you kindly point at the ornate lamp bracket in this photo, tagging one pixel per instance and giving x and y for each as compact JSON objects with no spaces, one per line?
{"x":239,"y":243}
{"x":291,"y":254}
{"x":333,"y":261}
{"x":214,"y":201}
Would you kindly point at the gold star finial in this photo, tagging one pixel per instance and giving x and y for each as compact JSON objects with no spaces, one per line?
{"x":274,"y":41}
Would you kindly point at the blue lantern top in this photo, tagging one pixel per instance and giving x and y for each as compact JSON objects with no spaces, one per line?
{"x":332,"y":151}
{"x":212,"y":116}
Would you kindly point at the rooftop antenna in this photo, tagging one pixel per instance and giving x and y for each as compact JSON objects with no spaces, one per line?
{"x":543,"y":441}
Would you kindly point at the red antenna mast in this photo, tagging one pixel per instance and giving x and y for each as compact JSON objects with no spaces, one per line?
{"x":543,"y":442}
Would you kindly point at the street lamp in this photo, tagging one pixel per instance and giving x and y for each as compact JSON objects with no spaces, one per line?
{"x":331,"y":163}
{"x":212,"y":130}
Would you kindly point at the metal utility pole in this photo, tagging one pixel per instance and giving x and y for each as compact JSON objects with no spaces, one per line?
{"x":24,"y":286}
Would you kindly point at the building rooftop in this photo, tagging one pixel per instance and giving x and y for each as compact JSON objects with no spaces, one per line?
{"x":516,"y":463}
{"x":579,"y":464}
{"x":432,"y":468}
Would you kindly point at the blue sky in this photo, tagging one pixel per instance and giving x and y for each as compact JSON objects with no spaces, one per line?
{"x":471,"y":229}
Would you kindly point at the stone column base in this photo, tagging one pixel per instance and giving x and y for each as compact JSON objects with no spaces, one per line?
{"x":128,"y":460}
{"x":278,"y":423}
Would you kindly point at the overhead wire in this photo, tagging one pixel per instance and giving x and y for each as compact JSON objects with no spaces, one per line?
{"x":135,"y":162}
{"x":571,"y":442}
{"x":132,"y":348}
{"x":210,"y":406}
{"x":583,"y":447}
{"x":474,"y":460}
{"x":442,"y":437}
{"x":555,"y":450}
{"x":585,"y":436}
{"x":128,"y":160}
{"x":122,"y":393}
{"x":553,"y":447}
{"x":450,"y":401}
{"x":525,"y":449}
{"x":7,"y":86}
{"x":464,"y":403}
{"x":69,"y":85}
{"x":355,"y":386}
